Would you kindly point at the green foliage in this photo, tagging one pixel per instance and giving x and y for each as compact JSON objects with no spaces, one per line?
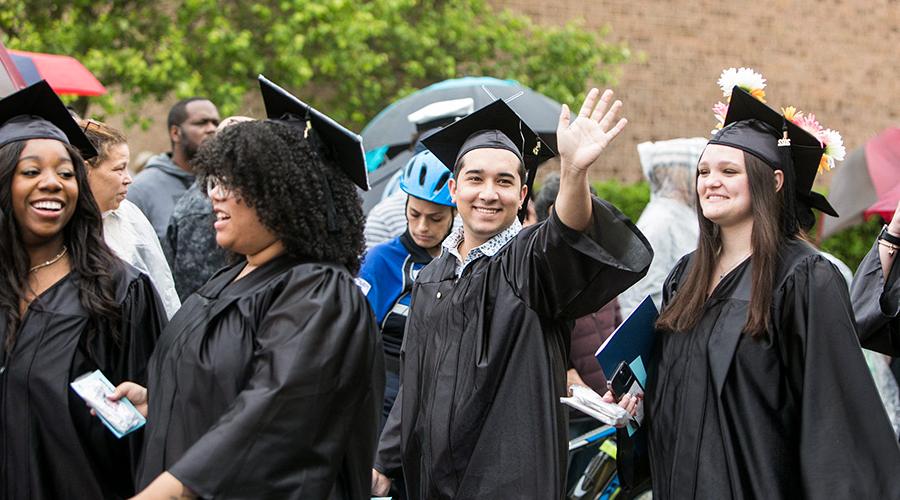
{"x":852,"y":244}
{"x":351,"y":57}
{"x":629,"y":198}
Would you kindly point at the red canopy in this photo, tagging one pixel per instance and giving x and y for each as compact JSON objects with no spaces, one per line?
{"x":66,"y":75}
{"x":885,"y":206}
{"x":883,"y":159}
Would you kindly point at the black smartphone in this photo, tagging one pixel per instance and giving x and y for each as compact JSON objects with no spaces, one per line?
{"x":625,"y":382}
{"x":622,"y":381}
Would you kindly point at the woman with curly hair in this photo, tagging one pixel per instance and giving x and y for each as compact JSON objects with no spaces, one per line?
{"x":268,"y":382}
{"x":69,"y":306}
{"x":125,"y":228}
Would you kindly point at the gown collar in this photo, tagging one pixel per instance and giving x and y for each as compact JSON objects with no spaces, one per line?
{"x":732,"y":295}
{"x":223,"y":282}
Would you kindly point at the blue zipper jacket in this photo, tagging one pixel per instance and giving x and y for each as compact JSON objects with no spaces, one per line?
{"x":386,"y":278}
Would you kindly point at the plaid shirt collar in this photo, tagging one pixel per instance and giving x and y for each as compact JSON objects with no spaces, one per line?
{"x":487,"y":249}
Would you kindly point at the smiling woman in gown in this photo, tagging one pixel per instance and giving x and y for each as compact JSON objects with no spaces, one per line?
{"x":758,"y":387}
{"x":268,"y":382}
{"x":69,"y":306}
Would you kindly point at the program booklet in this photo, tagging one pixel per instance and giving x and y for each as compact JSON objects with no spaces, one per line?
{"x":590,"y":403}
{"x":121,"y":417}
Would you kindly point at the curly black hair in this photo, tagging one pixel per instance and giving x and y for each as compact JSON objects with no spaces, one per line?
{"x":286,"y":179}
{"x":90,"y":257}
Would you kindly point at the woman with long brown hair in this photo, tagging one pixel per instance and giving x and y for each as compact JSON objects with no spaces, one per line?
{"x":68,"y":306}
{"x":757,"y":385}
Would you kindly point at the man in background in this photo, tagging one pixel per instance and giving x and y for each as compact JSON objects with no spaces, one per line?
{"x":190,"y":242}
{"x":168,"y":175}
{"x":669,"y":221}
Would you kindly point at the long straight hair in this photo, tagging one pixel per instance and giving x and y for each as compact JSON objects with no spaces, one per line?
{"x":90,"y":257}
{"x":769,"y":232}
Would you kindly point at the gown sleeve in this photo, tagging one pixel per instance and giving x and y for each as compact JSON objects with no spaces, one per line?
{"x":876,"y":304}
{"x":565,"y":274}
{"x":847,"y":446}
{"x":388,"y":458}
{"x":307,"y":398}
{"x":143,"y":319}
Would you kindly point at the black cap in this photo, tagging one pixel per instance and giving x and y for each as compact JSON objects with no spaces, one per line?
{"x":36,"y":112}
{"x":755,"y":128}
{"x":495,"y":126}
{"x":340,"y":144}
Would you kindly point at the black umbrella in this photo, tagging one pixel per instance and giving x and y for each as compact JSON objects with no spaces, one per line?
{"x":391,"y":128}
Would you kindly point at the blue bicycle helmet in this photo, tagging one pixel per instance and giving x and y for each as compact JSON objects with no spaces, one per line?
{"x":426,"y":178}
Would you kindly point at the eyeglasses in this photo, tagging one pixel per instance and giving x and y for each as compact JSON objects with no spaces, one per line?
{"x":214,"y":183}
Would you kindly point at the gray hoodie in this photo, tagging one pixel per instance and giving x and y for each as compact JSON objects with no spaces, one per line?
{"x":157,"y":188}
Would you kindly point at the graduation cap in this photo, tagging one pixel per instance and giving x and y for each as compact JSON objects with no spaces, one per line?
{"x":757,"y":129}
{"x":36,"y":112}
{"x":495,"y":126}
{"x":340,"y":145}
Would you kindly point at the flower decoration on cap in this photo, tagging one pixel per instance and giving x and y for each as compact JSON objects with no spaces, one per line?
{"x":830,"y":139}
{"x":744,"y":78}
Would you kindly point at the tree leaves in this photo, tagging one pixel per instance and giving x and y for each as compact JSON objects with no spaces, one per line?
{"x":352,"y":58}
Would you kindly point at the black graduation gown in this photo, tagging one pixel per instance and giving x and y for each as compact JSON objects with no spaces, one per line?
{"x":792,"y":415}
{"x":268,"y":387}
{"x":876,"y":303}
{"x":485,"y":356}
{"x":50,"y":445}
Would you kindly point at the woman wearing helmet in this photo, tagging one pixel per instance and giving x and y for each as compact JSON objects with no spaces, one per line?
{"x":389,"y":269}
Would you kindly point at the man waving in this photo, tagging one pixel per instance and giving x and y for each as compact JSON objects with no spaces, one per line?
{"x":484,"y":356}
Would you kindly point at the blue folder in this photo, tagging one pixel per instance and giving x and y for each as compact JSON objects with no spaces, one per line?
{"x":631,"y":342}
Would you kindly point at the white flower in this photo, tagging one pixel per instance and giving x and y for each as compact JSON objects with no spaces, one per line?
{"x":834,"y":144}
{"x":744,"y":78}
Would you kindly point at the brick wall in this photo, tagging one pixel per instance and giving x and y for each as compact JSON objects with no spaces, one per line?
{"x":839,"y":59}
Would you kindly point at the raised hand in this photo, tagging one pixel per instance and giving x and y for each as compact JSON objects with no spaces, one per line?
{"x":581,"y":141}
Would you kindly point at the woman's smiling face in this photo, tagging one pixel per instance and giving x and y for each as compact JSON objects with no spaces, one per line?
{"x":723,"y":186}
{"x":44,"y":190}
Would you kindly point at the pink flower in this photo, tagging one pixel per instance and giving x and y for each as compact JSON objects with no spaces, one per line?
{"x":809,"y":123}
{"x":720,"y":109}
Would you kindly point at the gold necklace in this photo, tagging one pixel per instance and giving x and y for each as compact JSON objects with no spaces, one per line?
{"x":50,"y":262}
{"x":732,"y":268}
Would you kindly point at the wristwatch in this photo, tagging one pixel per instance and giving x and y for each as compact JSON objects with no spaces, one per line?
{"x":888,"y":237}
